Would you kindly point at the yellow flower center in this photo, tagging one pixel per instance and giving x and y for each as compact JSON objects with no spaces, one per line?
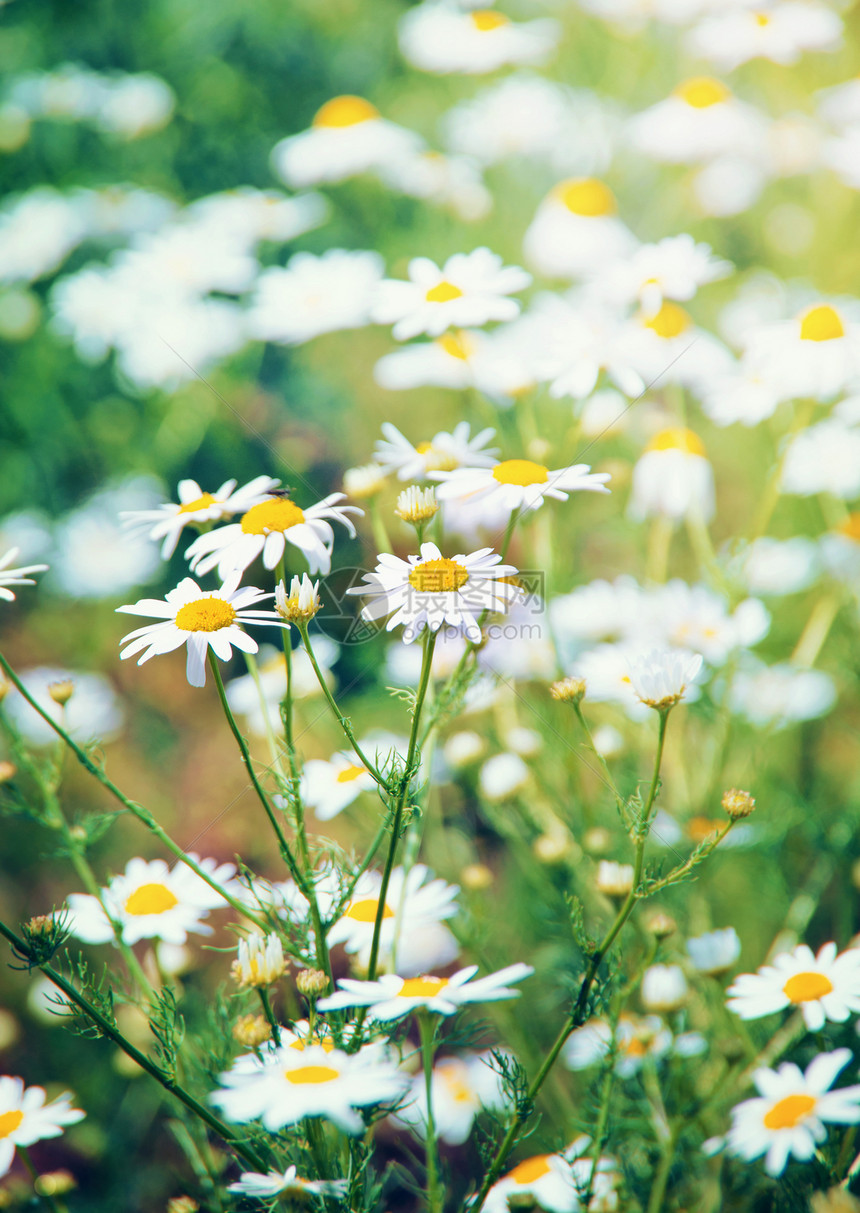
{"x":421,"y":987}
{"x":365,"y":910}
{"x":151,"y":899}
{"x":670,"y":321}
{"x":520,"y":471}
{"x":806,"y":987}
{"x":530,"y":1170}
{"x":850,"y":528}
{"x":345,"y":111}
{"x":199,"y":503}
{"x":303,"y":1075}
{"x":762,"y":19}
{"x":9,"y":1122}
{"x":701,"y":92}
{"x":443,"y":292}
{"x":587,"y":197}
{"x":677,"y":438}
{"x":821,"y":323}
{"x":326,"y":1043}
{"x":454,"y":1078}
{"x":789,"y":1112}
{"x":457,"y":345}
{"x":278,"y":514}
{"x":436,"y":460}
{"x":205,"y":615}
{"x":348,"y":774}
{"x":485,"y":19}
{"x":436,"y":576}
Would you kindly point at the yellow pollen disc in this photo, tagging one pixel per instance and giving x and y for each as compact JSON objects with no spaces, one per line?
{"x":635,"y":1047}
{"x":365,"y":910}
{"x":443,"y":292}
{"x":530,"y":1170}
{"x":205,"y":615}
{"x":789,"y":1112}
{"x":702,"y":92}
{"x":9,"y":1122}
{"x":322,"y":1042}
{"x":345,"y":111}
{"x":700,"y":828}
{"x":670,"y":321}
{"x":453,"y":1077}
{"x":850,"y":528}
{"x":436,"y":460}
{"x":199,"y":503}
{"x":821,"y":323}
{"x":520,"y":471}
{"x":303,"y":1075}
{"x":348,"y":774}
{"x":435,"y":576}
{"x":421,"y":987}
{"x":677,"y":438}
{"x":762,"y":19}
{"x":485,"y":19}
{"x":275,"y":515}
{"x":587,"y":197}
{"x":456,"y":345}
{"x":806,"y":987}
{"x":151,"y":899}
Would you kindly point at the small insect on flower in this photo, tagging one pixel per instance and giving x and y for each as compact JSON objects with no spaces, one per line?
{"x":16,"y":576}
{"x":824,"y":987}
{"x":790,"y":1115}
{"x":394,"y":997}
{"x":201,"y":619}
{"x":25,"y":1118}
{"x":288,"y":1183}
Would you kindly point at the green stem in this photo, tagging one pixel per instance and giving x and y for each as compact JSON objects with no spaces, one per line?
{"x":143,"y":815}
{"x":427,"y":1029}
{"x":50,"y":1203}
{"x":110,"y":1030}
{"x":380,"y":533}
{"x":604,"y":766}
{"x":661,"y":1175}
{"x":271,"y":1018}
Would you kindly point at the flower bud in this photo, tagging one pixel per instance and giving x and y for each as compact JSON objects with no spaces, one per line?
{"x":660,"y":924}
{"x":551,"y":848}
{"x":614,"y":879}
{"x":462,"y":749}
{"x":62,"y":691}
{"x":417,"y":505}
{"x":251,"y":1031}
{"x":597,"y":840}
{"x":664,"y":988}
{"x":568,"y":690}
{"x":55,"y":1183}
{"x":301,"y":604}
{"x":477,"y":877}
{"x":8,"y":771}
{"x":260,"y":961}
{"x":364,"y":482}
{"x":738,"y":803}
{"x":312,"y":982}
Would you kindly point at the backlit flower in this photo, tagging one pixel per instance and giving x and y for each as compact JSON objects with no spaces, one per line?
{"x":438,"y":36}
{"x":313,"y":295}
{"x":660,"y":678}
{"x":10,"y":576}
{"x":575,"y":230}
{"x":700,"y":121}
{"x":673,"y":478}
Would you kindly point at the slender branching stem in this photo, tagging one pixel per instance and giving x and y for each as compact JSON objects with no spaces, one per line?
{"x":427,"y":1029}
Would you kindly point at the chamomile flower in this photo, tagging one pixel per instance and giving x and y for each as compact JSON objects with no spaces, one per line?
{"x":430,"y":590}
{"x":25,"y":1118}
{"x":148,"y":901}
{"x":314,"y":295}
{"x":199,"y":619}
{"x":780,"y":31}
{"x":460,"y":1087}
{"x":519,"y":484}
{"x":453,"y":182}
{"x":575,"y":230}
{"x":815,"y":354}
{"x":661,"y":678}
{"x":438,"y":36}
{"x":328,"y":787}
{"x":715,"y":952}
{"x":394,"y":997}
{"x":469,"y":290}
{"x":546,"y":1178}
{"x":700,"y":121}
{"x":167,"y":521}
{"x":287,"y":1183}
{"x":823,"y":458}
{"x":673,"y":268}
{"x":667,"y":347}
{"x":10,"y":576}
{"x":636,"y":1040}
{"x":575,"y":338}
{"x":348,"y":136}
{"x":673,"y":478}
{"x":824,"y":987}
{"x":788,"y":1118}
{"x":285,"y":1085}
{"x":443,"y":452}
{"x":266,"y":529}
{"x":739,"y":395}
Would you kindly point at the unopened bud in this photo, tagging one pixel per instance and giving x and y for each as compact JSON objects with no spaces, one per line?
{"x":312,"y":982}
{"x":302,"y":602}
{"x":738,"y":803}
{"x":417,"y":505}
{"x":477,"y":877}
{"x":660,"y":924}
{"x":597,"y":840}
{"x":8,"y":771}
{"x":42,"y":924}
{"x":551,"y":848}
{"x":614,"y":879}
{"x":61,"y":691}
{"x":568,"y":690}
{"x":55,"y":1183}
{"x":251,"y":1031}
{"x":364,"y":482}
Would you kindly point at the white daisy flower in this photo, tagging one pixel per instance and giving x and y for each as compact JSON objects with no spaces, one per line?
{"x":673,"y":268}
{"x":637,"y":1039}
{"x":430,"y":590}
{"x":25,"y":1118}
{"x":266,"y":529}
{"x":314,"y":295}
{"x":149,"y":901}
{"x":244,"y":697}
{"x":167,"y":521}
{"x":660,"y":678}
{"x":669,"y":348}
{"x":488,"y":362}
{"x":823,"y":458}
{"x":696,"y":617}
{"x":259,"y":962}
{"x":777,"y":31}
{"x":460,"y":1087}
{"x":453,"y":182}
{"x":444,"y":451}
{"x":789,"y":1116}
{"x":288,"y":1183}
{"x":328,"y":787}
{"x":575,"y":230}
{"x":547,"y":1178}
{"x":519,"y":484}
{"x":286,"y":1085}
{"x":573,"y":340}
{"x":412,"y":920}
{"x":438,"y":36}
{"x":664,"y":988}
{"x":741,"y":395}
{"x":502,"y":776}
{"x":201,"y":619}
{"x":348,"y":136}
{"x":839,"y":105}
{"x":715,"y":952}
{"x":10,"y":576}
{"x":700,"y":121}
{"x":673,"y":478}
{"x":779,"y":695}
{"x":825,"y":986}
{"x":815,"y":354}
{"x":778,"y":566}
{"x":469,"y":290}
{"x":392,"y":997}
